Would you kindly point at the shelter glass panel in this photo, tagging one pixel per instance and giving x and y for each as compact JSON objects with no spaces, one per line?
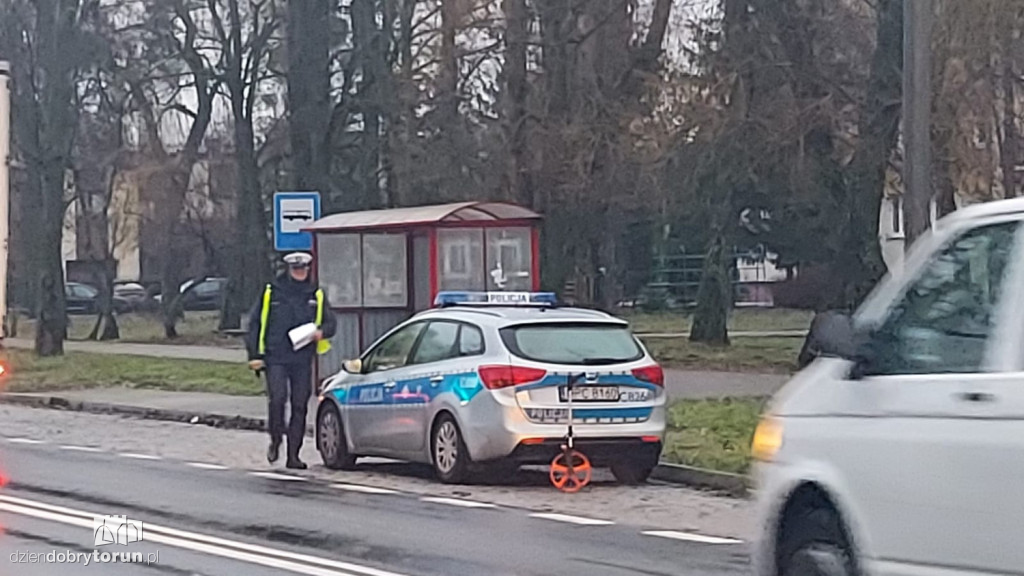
{"x":461,"y":259}
{"x":385,"y":271}
{"x":339,"y":269}
{"x":509,"y":258}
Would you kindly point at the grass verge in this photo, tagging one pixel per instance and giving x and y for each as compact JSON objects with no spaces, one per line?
{"x":755,"y":355}
{"x":75,"y":371}
{"x":712,"y":434}
{"x":197,"y":329}
{"x":740,"y":320}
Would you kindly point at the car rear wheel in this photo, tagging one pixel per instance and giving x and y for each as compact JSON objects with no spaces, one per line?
{"x":815,"y":545}
{"x":451,"y":459}
{"x":634,"y":471}
{"x":331,"y":442}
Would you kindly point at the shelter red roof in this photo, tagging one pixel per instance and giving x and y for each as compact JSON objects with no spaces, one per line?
{"x":468,"y":212}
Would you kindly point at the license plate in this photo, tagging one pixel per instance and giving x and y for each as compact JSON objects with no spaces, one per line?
{"x":590,"y":394}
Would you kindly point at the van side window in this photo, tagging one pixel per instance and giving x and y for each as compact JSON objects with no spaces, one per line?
{"x":943,"y":322}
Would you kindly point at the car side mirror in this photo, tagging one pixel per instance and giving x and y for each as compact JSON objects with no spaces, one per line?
{"x":831,"y":334}
{"x":352,"y":366}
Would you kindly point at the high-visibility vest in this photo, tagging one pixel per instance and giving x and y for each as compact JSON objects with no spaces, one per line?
{"x":321,"y":347}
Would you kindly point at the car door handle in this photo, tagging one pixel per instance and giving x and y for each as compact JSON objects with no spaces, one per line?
{"x":435,"y":380}
{"x":976,"y":397}
{"x":390,"y":384}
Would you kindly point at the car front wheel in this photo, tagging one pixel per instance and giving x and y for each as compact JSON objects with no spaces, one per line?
{"x":331,"y":442}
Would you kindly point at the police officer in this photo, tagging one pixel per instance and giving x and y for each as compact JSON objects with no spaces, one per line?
{"x":289,"y":302}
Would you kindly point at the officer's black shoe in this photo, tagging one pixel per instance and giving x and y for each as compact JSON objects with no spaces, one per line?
{"x":295,"y":464}
{"x":274,"y":452}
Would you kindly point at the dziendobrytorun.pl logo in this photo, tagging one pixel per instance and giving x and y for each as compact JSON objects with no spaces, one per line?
{"x":107,"y":531}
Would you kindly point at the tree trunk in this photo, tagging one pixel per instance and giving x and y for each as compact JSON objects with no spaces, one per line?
{"x":51,"y":329}
{"x":517,"y":184}
{"x":172,"y":182}
{"x":309,"y":43}
{"x":55,"y":23}
{"x":106,"y":327}
{"x":366,"y":36}
{"x":251,"y":265}
{"x":714,"y":296}
{"x":878,"y":130}
{"x":1009,"y":142}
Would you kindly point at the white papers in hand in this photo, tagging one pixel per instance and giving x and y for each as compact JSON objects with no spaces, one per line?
{"x":302,"y":336}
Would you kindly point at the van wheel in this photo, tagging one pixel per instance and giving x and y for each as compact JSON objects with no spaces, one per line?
{"x":634,"y":471}
{"x":815,"y":545}
{"x":818,"y":560}
{"x":450,"y":456}
{"x":331,"y":442}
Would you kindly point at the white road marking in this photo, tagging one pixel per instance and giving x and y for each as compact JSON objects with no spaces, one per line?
{"x":71,"y":448}
{"x":205,"y":466}
{"x":251,"y":553}
{"x":135,"y":456}
{"x":364,"y":489}
{"x":688,"y":537}
{"x":25,"y":441}
{"x":276,"y":476}
{"x":578,"y":520}
{"x":457,"y":502}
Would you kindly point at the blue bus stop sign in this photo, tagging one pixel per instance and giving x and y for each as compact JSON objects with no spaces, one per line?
{"x":293,"y":211}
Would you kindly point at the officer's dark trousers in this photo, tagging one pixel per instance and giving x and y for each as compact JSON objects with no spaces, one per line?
{"x":296,"y":381}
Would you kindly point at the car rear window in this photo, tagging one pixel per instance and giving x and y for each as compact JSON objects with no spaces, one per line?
{"x":585,"y":344}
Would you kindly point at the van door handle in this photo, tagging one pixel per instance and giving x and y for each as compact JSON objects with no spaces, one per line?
{"x":976,"y":397}
{"x":435,"y":380}
{"x":390,"y":384}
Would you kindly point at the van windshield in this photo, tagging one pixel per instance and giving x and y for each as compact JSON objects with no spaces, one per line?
{"x":584,"y":344}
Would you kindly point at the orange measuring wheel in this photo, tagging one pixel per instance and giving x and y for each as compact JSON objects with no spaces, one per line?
{"x":570,"y":471}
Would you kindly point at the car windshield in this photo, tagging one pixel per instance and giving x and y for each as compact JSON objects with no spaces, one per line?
{"x":83,"y":291}
{"x":573,"y":343}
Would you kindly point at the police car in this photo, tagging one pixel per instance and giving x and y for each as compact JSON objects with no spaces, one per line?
{"x":482,"y":378}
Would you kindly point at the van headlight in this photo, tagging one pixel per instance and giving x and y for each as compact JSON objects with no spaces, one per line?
{"x":767,"y":439}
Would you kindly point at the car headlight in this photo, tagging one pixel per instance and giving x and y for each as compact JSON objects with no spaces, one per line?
{"x":767,"y":439}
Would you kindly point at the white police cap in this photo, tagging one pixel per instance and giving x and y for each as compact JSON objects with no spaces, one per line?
{"x":298,"y":259}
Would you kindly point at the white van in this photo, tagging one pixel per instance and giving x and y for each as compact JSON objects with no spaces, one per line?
{"x":901,"y":450}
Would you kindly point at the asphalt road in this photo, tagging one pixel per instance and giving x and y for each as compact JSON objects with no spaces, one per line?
{"x":228,"y":522}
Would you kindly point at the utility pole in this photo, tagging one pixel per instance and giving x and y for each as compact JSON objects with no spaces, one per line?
{"x":917,"y":108}
{"x":5,"y":187}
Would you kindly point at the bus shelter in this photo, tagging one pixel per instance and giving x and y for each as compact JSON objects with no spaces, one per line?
{"x":379,"y":267}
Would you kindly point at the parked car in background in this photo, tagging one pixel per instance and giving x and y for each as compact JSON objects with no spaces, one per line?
{"x":206,"y":295}
{"x":84,"y":299}
{"x":133,"y":294}
{"x":80,"y":298}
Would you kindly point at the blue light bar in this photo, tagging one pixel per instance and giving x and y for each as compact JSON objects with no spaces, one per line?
{"x":454,"y":298}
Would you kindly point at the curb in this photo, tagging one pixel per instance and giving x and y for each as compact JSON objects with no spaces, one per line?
{"x":735,"y":485}
{"x":730,"y":484}
{"x":215,"y":420}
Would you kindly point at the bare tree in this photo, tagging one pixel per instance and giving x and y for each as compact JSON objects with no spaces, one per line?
{"x":52,"y":41}
{"x":247,"y":35}
{"x":309,"y":44}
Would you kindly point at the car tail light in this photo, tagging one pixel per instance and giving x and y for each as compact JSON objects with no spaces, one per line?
{"x":495,"y":377}
{"x":653,"y":374}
